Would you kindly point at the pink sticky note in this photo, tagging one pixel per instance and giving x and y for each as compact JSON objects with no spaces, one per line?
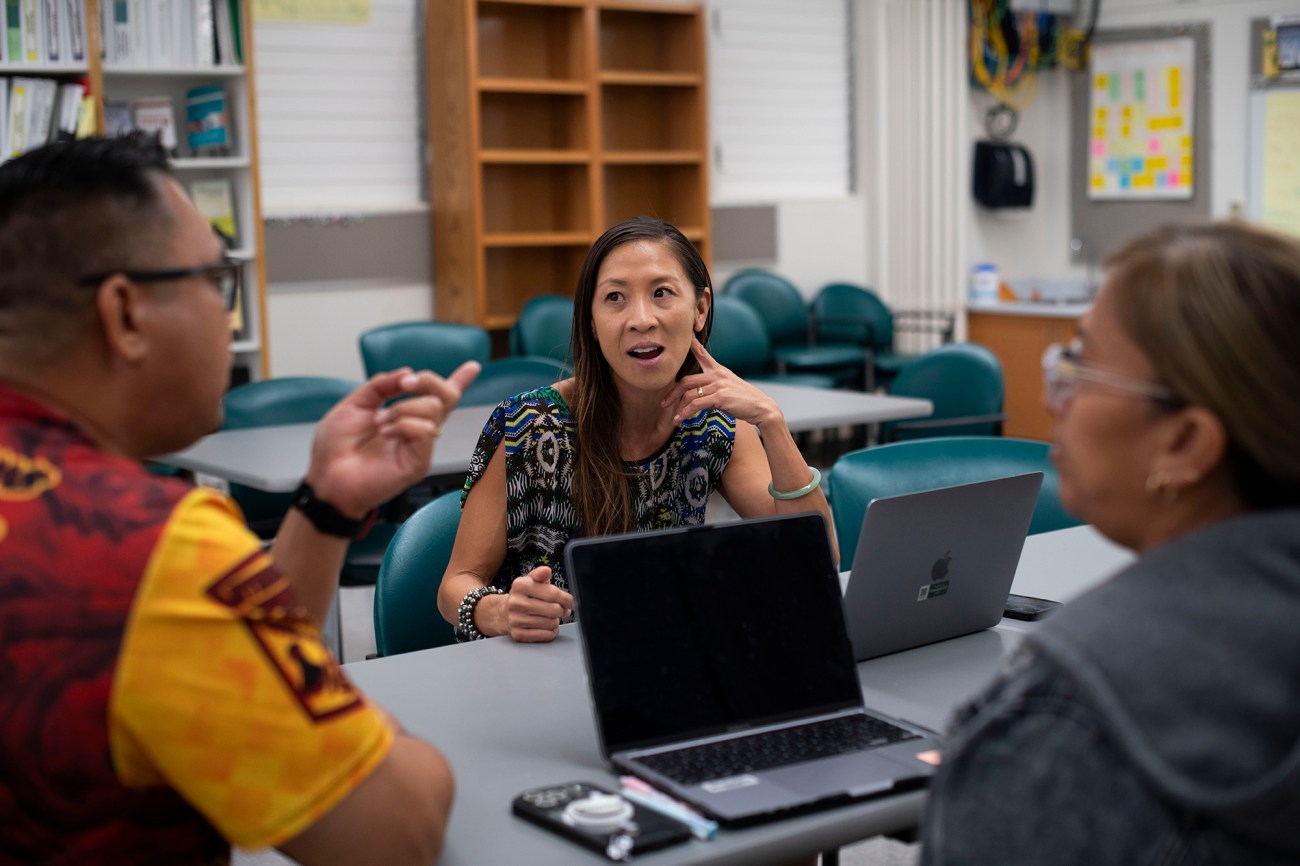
{"x":1099,"y":147}
{"x":1153,"y":145}
{"x":1173,"y":178}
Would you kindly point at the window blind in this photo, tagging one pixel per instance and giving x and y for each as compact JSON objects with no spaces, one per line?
{"x":339,"y":113}
{"x":780,"y":104}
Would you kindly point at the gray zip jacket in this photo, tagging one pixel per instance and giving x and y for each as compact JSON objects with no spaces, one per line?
{"x":1155,"y":719}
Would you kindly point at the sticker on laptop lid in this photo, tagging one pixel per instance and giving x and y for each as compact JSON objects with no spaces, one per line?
{"x":731,"y":783}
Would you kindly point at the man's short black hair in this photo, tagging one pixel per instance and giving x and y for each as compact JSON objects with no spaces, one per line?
{"x":70,"y":209}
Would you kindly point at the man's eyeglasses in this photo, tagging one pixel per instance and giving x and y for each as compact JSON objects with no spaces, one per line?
{"x":1063,"y":372}
{"x":224,"y":276}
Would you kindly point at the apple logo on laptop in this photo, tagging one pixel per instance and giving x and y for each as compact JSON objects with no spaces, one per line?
{"x":939,"y":570}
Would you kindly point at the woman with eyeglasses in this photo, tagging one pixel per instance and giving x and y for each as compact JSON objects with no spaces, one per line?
{"x":1156,"y":719}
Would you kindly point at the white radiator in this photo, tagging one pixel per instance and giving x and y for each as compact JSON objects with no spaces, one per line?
{"x":922,"y":176}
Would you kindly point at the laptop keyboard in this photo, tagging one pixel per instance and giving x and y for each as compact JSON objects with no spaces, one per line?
{"x":777,"y":748}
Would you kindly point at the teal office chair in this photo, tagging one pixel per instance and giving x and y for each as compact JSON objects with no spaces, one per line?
{"x":781,"y":307}
{"x":406,"y":592}
{"x":963,"y":381}
{"x":426,"y":345}
{"x":296,"y":400}
{"x":738,"y":341}
{"x":924,"y":464}
{"x":506,"y":377}
{"x":848,"y":314}
{"x":543,"y":328}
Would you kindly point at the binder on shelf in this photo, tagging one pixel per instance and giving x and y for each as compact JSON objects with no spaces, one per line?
{"x":221,"y":16}
{"x":155,"y":114}
{"x":8,"y":53}
{"x":215,"y":199}
{"x":204,"y":33}
{"x":44,"y":94}
{"x":68,"y":111}
{"x":4,"y":120}
{"x":30,"y":15}
{"x":207,"y":133}
{"x":16,"y":142}
{"x":76,"y":30}
{"x":51,"y":32}
{"x":117,"y":118}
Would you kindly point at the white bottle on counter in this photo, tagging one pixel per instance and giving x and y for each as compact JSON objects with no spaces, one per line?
{"x":984,"y":284}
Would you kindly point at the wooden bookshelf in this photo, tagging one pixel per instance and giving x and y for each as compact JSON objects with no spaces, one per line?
{"x":549,"y":121}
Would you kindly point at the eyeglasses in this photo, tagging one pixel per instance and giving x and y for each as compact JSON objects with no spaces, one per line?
{"x":224,"y":275}
{"x":1063,"y":372}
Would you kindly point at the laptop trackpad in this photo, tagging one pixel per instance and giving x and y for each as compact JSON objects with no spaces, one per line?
{"x":853,"y":775}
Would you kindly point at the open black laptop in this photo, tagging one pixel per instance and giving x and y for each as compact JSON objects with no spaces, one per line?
{"x":721,"y":671}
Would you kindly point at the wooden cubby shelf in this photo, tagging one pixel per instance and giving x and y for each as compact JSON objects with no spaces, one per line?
{"x":551,"y":120}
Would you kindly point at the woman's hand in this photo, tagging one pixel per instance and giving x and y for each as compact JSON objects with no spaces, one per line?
{"x":716,"y":387}
{"x":535,"y":608}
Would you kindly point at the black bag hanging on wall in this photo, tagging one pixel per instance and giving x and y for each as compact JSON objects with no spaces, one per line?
{"x":1003,"y":175}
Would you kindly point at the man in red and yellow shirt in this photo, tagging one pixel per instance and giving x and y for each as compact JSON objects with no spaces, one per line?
{"x":164,"y":691}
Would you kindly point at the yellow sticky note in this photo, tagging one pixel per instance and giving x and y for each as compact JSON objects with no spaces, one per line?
{"x":1127,"y":111}
{"x":1099,"y":132}
{"x":1157,"y":163}
{"x":1185,"y":142}
{"x":1126,"y":131}
{"x":1175,"y":86}
{"x":1101,"y":113}
{"x":1098,"y":181}
{"x":1101,"y":82}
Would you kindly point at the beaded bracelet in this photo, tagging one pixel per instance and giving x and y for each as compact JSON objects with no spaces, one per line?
{"x":466,"y":630}
{"x":802,"y":491}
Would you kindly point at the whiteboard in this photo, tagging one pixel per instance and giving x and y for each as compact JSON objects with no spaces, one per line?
{"x":1275,"y":158}
{"x":340,"y":113}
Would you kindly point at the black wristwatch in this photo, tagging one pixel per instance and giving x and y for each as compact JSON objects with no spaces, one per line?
{"x":324,"y":516}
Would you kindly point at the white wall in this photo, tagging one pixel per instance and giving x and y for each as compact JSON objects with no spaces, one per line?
{"x":1035,"y":243}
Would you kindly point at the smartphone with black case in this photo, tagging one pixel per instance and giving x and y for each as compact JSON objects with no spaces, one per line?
{"x":1027,"y":607}
{"x":599,"y":819}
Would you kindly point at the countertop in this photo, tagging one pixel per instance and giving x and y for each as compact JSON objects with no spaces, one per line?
{"x":1040,"y":309}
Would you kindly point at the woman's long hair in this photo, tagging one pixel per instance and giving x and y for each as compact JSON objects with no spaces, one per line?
{"x":602,"y":487}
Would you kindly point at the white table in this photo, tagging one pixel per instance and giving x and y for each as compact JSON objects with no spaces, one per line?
{"x":512,"y":716}
{"x":275,"y":458}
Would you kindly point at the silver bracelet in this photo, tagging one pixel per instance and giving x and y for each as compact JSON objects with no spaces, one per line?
{"x":465,"y":629}
{"x":802,"y":491}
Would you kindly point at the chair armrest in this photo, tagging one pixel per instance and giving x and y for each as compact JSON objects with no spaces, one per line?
{"x":926,"y":321}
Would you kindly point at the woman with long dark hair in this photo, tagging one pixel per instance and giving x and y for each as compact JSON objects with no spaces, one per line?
{"x":648,"y":427}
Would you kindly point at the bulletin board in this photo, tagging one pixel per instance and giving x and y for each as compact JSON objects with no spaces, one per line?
{"x":1160,"y":171}
{"x":1142,"y":110}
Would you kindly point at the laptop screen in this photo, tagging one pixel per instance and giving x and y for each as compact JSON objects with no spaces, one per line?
{"x":702,"y":630}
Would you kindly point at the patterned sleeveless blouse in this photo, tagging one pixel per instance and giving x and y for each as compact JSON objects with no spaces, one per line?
{"x":540,"y":435}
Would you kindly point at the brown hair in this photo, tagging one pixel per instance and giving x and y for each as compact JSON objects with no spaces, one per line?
{"x":602,"y":486}
{"x":1216,"y":309}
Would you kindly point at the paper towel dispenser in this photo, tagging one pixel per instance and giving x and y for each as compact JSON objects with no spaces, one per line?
{"x":1003,"y":175}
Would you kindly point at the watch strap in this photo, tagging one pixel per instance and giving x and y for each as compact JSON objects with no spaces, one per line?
{"x":324,"y":515}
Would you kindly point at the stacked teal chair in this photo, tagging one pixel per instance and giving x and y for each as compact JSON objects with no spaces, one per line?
{"x":739,"y":342}
{"x":543,"y":328}
{"x":406,"y":592}
{"x":785,"y":315}
{"x":424,"y":345}
{"x":964,"y":382}
{"x":925,"y":464}
{"x":506,"y":377}
{"x":296,"y":400}
{"x":849,"y":314}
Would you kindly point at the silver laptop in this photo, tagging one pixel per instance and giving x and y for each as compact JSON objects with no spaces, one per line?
{"x":712,"y":651}
{"x":936,"y":564}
